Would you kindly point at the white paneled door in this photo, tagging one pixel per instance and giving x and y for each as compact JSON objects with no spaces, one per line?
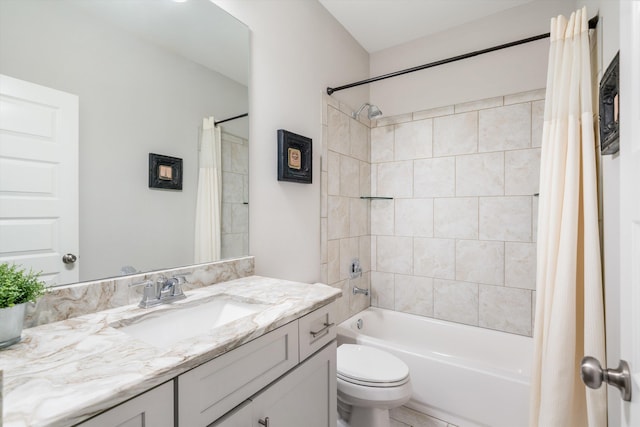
{"x":39,"y":179}
{"x":630,"y":202}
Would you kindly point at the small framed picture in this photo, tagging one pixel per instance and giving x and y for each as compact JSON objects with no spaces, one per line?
{"x":165,"y":172}
{"x":294,"y":157}
{"x":609,"y":108}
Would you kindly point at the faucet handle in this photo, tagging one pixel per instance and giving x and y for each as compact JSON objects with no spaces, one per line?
{"x":178,"y":280}
{"x":149,"y":293}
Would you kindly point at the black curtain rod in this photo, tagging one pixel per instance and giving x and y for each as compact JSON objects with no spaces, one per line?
{"x":231,"y":118}
{"x":593,"y":22}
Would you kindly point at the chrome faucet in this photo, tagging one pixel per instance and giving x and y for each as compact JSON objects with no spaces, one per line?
{"x":357,"y":290}
{"x":162,"y":291}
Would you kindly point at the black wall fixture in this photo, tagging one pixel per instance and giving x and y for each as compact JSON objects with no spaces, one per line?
{"x":294,"y":157}
{"x":609,"y":108}
{"x":165,"y":172}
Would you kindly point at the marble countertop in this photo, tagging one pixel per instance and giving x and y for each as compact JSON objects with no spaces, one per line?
{"x":65,"y":372}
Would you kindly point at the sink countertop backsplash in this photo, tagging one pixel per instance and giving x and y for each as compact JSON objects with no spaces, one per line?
{"x":67,"y":371}
{"x":65,"y":302}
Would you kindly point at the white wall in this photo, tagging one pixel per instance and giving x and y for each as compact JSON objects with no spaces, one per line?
{"x":512,"y":70}
{"x":298,"y":49}
{"x":135,"y":98}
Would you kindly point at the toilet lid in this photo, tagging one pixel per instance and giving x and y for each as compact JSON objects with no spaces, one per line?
{"x":369,"y":365}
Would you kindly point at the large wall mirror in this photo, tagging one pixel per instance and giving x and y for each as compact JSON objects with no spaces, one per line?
{"x":146,"y":74}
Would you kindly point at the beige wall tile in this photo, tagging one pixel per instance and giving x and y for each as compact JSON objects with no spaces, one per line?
{"x":394,"y":254}
{"x":505,"y":218}
{"x":414,"y":217}
{"x":382,"y":290}
{"x":433,"y":112}
{"x":520,"y":265}
{"x":434,"y":177}
{"x":338,"y":218}
{"x":333,"y":261}
{"x":359,"y":140}
{"x":349,"y":176}
{"x":358,"y":217}
{"x":505,"y":309}
{"x":338,"y":129}
{"x":480,"y":261}
{"x":455,"y":301}
{"x":434,"y":258}
{"x":479,"y":105}
{"x":382,"y":217}
{"x":324,"y":193}
{"x":394,"y":120}
{"x":457,"y":134}
{"x":414,"y":295}
{"x":333,"y":178}
{"x":413,"y":140}
{"x":323,"y":241}
{"x":456,"y":218}
{"x":537,"y":122}
{"x":382,"y":144}
{"x":395,"y":179}
{"x":365,"y":179}
{"x":522,"y":172}
{"x":325,"y":149}
{"x":505,"y":128}
{"x":532,"y":95}
{"x":365,"y":253}
{"x":534,"y":220}
{"x":480,"y":174}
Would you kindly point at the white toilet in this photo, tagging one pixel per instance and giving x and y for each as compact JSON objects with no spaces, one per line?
{"x":370,"y":382}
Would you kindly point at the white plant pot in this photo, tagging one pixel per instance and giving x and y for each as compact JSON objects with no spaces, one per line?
{"x":11,"y":321}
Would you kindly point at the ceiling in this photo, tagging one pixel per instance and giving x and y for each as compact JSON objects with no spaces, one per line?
{"x":381,"y":24}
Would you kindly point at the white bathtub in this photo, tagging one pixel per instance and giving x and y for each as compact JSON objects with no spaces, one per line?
{"x":465,"y":375}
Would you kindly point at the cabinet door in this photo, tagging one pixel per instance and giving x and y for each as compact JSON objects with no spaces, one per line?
{"x":304,"y":397}
{"x":153,"y":408}
{"x":212,"y":389}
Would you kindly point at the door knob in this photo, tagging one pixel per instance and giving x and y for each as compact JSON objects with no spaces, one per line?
{"x":69,"y":258}
{"x":593,"y":376}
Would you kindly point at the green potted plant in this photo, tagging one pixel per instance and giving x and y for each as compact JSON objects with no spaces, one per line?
{"x":17,"y":287}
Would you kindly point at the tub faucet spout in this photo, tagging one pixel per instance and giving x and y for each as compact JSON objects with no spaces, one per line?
{"x":357,"y":290}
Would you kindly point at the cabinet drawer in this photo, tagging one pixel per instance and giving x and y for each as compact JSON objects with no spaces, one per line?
{"x":212,"y":389}
{"x":317,"y":329}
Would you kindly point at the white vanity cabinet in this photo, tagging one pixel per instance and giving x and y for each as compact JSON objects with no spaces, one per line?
{"x":287,"y":375}
{"x":304,"y":396}
{"x":152,"y":408}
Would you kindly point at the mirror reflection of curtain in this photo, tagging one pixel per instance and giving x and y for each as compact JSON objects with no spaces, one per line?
{"x":208,"y":210}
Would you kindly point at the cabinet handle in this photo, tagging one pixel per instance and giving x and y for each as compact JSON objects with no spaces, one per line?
{"x":264,"y":421}
{"x":323,"y":330}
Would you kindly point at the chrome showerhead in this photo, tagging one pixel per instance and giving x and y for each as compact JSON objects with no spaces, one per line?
{"x":374,"y":111}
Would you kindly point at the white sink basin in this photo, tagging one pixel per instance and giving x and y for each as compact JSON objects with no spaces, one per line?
{"x":167,"y":327}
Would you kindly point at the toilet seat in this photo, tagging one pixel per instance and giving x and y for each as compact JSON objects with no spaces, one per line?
{"x":370,"y":367}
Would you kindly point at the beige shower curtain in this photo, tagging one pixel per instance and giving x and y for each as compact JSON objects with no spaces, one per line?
{"x":208,"y":205}
{"x":569,"y":322}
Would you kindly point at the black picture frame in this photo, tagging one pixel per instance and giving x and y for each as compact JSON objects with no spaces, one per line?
{"x":294,"y":157}
{"x":165,"y":172}
{"x":609,"y":103}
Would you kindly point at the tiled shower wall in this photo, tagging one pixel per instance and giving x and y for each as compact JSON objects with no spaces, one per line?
{"x":344,"y":222}
{"x":457,"y":242}
{"x":235,"y":196}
